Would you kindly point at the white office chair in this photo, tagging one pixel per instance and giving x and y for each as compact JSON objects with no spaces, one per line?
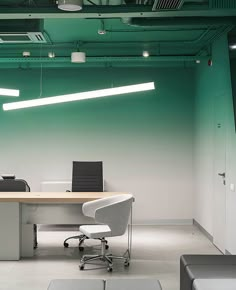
{"x":113,"y":213}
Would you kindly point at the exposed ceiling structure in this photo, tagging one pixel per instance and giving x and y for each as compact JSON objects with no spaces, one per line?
{"x":112,"y":32}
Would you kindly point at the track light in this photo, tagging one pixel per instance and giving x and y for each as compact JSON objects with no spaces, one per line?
{"x":79,"y":96}
{"x":78,"y":57}
{"x":70,"y":5}
{"x":145,"y":53}
{"x":51,"y":54}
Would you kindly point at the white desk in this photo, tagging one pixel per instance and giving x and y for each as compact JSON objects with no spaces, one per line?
{"x":20,"y":210}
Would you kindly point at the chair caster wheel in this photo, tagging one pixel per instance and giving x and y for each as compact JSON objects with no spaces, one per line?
{"x":126,"y":263}
{"x":81,"y":249}
{"x":109,"y":269}
{"x":66,"y":245}
{"x":106,"y":247}
{"x":81,"y":267}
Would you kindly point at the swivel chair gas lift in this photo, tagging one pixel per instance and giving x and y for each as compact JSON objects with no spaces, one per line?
{"x":17,"y":185}
{"x":87,"y":176}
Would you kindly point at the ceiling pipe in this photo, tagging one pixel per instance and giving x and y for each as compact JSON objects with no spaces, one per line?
{"x":105,"y":12}
{"x":179,"y":21}
{"x":101,"y":59}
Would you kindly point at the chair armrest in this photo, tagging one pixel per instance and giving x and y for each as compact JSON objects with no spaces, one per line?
{"x":89,"y":208}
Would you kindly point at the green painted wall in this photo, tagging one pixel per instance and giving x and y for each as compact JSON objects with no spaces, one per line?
{"x":144,"y":139}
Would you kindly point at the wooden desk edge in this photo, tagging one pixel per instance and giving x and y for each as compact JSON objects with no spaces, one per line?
{"x":54,"y":197}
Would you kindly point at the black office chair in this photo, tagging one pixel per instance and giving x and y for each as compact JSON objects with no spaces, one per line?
{"x":17,"y":185}
{"x":87,"y":176}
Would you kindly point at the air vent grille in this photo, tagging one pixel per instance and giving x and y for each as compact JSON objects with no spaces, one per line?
{"x":167,"y":4}
{"x":23,"y":37}
{"x":225,"y":4}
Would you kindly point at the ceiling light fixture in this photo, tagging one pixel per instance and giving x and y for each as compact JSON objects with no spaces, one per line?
{"x":78,"y":57}
{"x":102,"y":29}
{"x":79,"y":96}
{"x":26,"y":53}
{"x":9,"y":92}
{"x":145,"y":53}
{"x":51,"y":54}
{"x":233,"y":46}
{"x":70,"y":5}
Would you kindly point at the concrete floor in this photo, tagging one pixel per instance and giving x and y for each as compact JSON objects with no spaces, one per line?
{"x":155,"y":253}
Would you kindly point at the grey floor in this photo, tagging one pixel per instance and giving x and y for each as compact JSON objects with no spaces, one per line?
{"x":155,"y":253}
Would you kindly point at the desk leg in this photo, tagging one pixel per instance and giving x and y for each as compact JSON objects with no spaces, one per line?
{"x":27,"y":240}
{"x":9,"y":231}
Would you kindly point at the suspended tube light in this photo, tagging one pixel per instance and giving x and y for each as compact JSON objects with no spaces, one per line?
{"x":9,"y":92}
{"x":79,"y":96}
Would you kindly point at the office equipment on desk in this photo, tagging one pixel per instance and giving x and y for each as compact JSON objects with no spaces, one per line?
{"x":55,"y":185}
{"x":87,"y":176}
{"x":112,"y":215}
{"x":19,"y":211}
{"x":13,"y":185}
{"x":8,"y":176}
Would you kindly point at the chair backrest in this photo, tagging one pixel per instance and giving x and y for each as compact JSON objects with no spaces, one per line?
{"x":87,"y":176}
{"x":14,"y":185}
{"x":113,"y":211}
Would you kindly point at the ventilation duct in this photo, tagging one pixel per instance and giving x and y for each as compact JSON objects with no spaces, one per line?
{"x":21,"y":31}
{"x":222,"y":4}
{"x":24,"y":37}
{"x":167,"y":4}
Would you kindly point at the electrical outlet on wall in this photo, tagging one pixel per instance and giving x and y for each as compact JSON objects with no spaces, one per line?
{"x":232,"y":187}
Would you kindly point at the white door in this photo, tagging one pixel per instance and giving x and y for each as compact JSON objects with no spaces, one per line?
{"x":219,"y":193}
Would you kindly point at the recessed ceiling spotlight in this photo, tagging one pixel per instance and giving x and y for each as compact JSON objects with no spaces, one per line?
{"x":101,"y":32}
{"x":198,"y":61}
{"x":70,"y":5}
{"x":145,"y":53}
{"x":51,"y":54}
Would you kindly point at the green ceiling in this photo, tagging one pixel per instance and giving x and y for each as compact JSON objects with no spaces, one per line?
{"x":182,"y":34}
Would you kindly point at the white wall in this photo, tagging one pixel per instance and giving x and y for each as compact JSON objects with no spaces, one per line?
{"x":144,"y":140}
{"x":212,"y":82}
{"x":231,"y":176}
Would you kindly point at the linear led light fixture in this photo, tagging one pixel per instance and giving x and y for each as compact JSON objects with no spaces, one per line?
{"x":79,"y":96}
{"x":9,"y":92}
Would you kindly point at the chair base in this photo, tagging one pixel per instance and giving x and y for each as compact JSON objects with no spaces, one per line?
{"x":81,"y":239}
{"x":106,"y":258}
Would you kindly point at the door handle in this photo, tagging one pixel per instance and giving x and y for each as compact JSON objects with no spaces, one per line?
{"x":222,"y":174}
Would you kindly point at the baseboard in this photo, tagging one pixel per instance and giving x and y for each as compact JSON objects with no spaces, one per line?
{"x":164,"y":222}
{"x":205,"y":232}
{"x":227,"y":252}
{"x":161,"y":222}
